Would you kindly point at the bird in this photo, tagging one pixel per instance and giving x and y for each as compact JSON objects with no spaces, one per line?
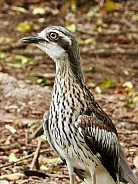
{"x":76,"y":127}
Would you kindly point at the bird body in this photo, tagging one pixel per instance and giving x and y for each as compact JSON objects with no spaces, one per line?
{"x":66,"y":107}
{"x":76,"y":126}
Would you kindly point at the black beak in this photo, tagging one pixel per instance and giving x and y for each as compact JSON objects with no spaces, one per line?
{"x":32,"y":39}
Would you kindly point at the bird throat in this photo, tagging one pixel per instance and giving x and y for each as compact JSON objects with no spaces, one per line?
{"x":66,"y":95}
{"x":69,"y":70}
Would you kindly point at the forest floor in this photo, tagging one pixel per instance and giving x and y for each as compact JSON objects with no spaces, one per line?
{"x":108,"y":40}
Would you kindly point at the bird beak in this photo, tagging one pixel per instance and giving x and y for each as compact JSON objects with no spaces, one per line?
{"x":32,"y":39}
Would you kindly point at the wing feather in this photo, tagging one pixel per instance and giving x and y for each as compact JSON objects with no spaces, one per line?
{"x":102,"y":141}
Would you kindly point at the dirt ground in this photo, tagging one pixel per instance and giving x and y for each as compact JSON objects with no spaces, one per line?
{"x":110,"y":65}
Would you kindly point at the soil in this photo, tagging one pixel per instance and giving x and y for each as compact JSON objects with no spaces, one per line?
{"x":23,"y":99}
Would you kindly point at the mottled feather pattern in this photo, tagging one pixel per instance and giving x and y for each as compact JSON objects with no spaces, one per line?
{"x":77,"y":128}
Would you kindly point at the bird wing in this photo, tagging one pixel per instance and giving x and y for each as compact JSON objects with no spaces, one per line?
{"x":101,"y":140}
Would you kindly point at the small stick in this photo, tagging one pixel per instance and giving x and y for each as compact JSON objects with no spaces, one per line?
{"x":36,"y":155}
{"x":37,"y":132}
{"x":23,"y":158}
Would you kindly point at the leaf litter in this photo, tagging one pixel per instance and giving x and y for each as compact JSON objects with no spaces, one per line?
{"x":23,"y":100}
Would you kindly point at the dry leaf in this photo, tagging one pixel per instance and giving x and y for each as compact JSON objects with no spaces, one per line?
{"x":12,"y":157}
{"x":4,"y":182}
{"x":14,"y":176}
{"x":52,"y":161}
{"x":135,"y":161}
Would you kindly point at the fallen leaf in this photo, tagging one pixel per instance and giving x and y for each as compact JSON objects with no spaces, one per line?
{"x":43,"y":168}
{"x":52,"y":161}
{"x":135,"y":161}
{"x":14,"y":176}
{"x":110,"y":6}
{"x":2,"y":55}
{"x":107,"y":84}
{"x":18,"y":8}
{"x":92,"y":69}
{"x":39,"y":10}
{"x":12,"y":157}
{"x":128,"y":84}
{"x":90,"y":41}
{"x":71,"y":27}
{"x":25,"y":27}
{"x":98,"y":89}
{"x":4,"y":182}
{"x":10,"y":128}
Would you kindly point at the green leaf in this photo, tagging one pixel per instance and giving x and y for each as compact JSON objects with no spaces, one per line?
{"x":74,"y":5}
{"x":107,"y":84}
{"x":43,"y":81}
{"x":81,"y":41}
{"x":135,"y":99}
{"x":33,"y":126}
{"x":52,"y":161}
{"x":39,"y":10}
{"x":110,"y":6}
{"x":43,"y":137}
{"x":92,"y":12}
{"x":24,"y":60}
{"x":43,"y":168}
{"x":56,"y":169}
{"x":99,"y":29}
{"x":33,"y":74}
{"x":126,"y":72}
{"x":91,"y":85}
{"x":90,"y":41}
{"x":18,"y":8}
{"x":92,"y":69}
{"x":24,"y":27}
{"x":71,"y":27}
{"x":2,"y":55}
{"x":135,"y":17}
{"x":16,"y":65}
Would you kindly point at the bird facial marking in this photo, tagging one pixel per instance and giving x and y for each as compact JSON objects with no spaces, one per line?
{"x":53,"y":35}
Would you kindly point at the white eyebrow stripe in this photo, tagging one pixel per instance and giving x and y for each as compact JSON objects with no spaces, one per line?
{"x":66,"y":38}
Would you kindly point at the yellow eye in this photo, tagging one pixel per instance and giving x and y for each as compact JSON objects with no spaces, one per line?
{"x":53,"y":35}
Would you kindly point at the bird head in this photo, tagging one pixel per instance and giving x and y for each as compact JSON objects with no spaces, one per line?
{"x":58,"y":42}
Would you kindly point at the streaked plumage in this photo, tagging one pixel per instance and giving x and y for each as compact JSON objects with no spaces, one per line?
{"x":76,"y":127}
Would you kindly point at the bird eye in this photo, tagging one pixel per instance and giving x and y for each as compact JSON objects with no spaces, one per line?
{"x":53,"y":35}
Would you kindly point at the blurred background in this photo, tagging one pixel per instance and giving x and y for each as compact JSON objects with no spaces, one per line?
{"x":107,"y":34}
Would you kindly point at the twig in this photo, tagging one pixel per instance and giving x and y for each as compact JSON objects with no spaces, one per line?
{"x":107,"y":32}
{"x":13,"y":46}
{"x":36,"y":155}
{"x":127,"y":132}
{"x":101,"y":3}
{"x":10,"y":146}
{"x":109,"y":51}
{"x":47,"y":75}
{"x":23,"y":158}
{"x":38,"y":132}
{"x":128,"y":23}
{"x":58,"y":175}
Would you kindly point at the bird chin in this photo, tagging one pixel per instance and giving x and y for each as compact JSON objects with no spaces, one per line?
{"x":52,"y":52}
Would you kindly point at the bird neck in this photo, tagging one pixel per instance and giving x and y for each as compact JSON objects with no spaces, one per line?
{"x":69,"y":70}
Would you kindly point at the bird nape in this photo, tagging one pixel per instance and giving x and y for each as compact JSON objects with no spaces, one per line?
{"x":76,"y":127}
